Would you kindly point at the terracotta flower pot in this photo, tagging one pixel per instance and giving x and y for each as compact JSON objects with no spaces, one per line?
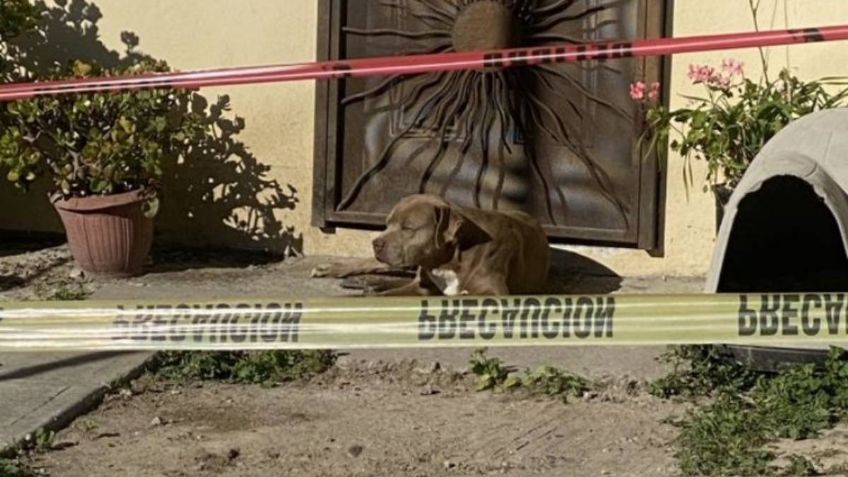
{"x":107,"y":235}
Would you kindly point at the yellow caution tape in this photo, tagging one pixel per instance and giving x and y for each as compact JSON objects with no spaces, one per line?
{"x":324,"y":323}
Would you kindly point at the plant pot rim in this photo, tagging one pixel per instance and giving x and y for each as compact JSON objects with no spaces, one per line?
{"x":97,"y":202}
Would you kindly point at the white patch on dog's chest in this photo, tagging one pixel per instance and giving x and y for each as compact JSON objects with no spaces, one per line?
{"x":448,"y":282}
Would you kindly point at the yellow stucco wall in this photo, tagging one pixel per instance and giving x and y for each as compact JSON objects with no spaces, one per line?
{"x":192,"y":34}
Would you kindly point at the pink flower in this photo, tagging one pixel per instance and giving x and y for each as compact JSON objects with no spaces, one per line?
{"x":693,"y":72}
{"x":722,"y":82}
{"x":703,"y":74}
{"x":654,"y":92}
{"x":733,"y":67}
{"x":637,"y":91}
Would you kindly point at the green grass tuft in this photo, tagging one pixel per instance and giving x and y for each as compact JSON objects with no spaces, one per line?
{"x":729,"y":436}
{"x":701,"y":371}
{"x":242,"y":367}
{"x":15,"y":468}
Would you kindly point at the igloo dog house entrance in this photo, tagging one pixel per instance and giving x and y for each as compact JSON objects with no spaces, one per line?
{"x":785,"y":225}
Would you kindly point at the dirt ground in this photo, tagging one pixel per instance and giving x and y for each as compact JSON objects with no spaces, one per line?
{"x":367,"y":419}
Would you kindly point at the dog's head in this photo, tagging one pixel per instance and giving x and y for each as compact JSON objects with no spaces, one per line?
{"x":426,"y":231}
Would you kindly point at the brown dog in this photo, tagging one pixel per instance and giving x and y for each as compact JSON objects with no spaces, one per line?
{"x":463,"y":251}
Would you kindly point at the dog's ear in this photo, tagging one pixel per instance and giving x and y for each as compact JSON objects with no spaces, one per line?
{"x":453,"y":227}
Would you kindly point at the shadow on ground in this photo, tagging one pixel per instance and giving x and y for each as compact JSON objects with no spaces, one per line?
{"x":171,"y":259}
{"x":16,"y":243}
{"x":575,"y":274}
{"x":25,"y":259}
{"x":570,"y":273}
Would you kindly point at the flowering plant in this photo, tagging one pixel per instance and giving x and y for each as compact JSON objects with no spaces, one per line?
{"x":733,"y":120}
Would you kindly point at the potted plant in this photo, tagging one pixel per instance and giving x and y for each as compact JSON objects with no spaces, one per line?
{"x":731,"y":122}
{"x":103,"y":153}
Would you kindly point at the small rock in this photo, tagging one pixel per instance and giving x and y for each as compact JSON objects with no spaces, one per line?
{"x":449,"y":465}
{"x":125,"y":393}
{"x":156,"y":421}
{"x":354,"y":451}
{"x":429,"y":390}
{"x":589,"y":395}
{"x":77,"y":274}
{"x":137,"y":387}
{"x":435,"y":366}
{"x":233,"y":454}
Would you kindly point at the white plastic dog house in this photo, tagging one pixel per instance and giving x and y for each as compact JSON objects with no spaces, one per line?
{"x":786,"y":225}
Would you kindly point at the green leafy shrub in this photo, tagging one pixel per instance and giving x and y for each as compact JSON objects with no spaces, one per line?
{"x":99,"y":143}
{"x":729,"y":125}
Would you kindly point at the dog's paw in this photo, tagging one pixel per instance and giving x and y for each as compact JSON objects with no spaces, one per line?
{"x":321,"y":271}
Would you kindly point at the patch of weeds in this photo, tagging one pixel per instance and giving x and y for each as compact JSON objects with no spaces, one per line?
{"x":546,"y":380}
{"x":553,"y":382}
{"x":726,"y":438}
{"x":15,"y":468}
{"x":87,"y":425}
{"x":800,"y":466}
{"x":43,"y":441}
{"x":69,"y":294}
{"x":729,"y":436}
{"x":242,"y":367}
{"x":797,"y":403}
{"x":490,"y":372}
{"x":700,"y":371}
{"x":62,"y":291}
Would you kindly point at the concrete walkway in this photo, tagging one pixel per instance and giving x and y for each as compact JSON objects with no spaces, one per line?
{"x":50,"y":390}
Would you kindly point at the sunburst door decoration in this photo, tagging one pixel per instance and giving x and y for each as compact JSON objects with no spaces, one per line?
{"x":467,"y":107}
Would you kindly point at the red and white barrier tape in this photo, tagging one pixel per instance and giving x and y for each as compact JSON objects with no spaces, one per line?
{"x":414,"y":64}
